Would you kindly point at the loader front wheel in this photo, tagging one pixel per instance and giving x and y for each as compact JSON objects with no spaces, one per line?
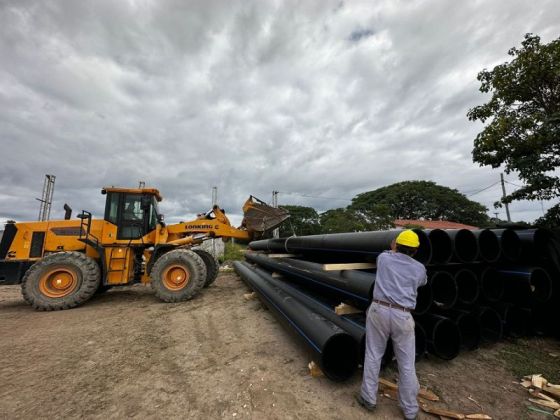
{"x":60,"y":281}
{"x":212,"y":266}
{"x":178,"y":275}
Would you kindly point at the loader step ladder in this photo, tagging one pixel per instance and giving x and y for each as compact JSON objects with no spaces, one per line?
{"x":85,"y":230}
{"x":119,"y":258}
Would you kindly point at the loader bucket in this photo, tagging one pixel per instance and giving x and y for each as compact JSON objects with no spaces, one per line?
{"x":260,"y":217}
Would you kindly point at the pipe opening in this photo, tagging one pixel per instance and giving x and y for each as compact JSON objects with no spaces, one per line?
{"x":444,"y":289}
{"x":511,"y":245}
{"x":541,"y":285}
{"x":446,"y":339}
{"x":469,"y":328}
{"x":442,"y":246}
{"x":489,"y":246}
{"x":491,"y":328}
{"x":492,"y":285}
{"x":465,"y":245}
{"x":424,"y":299}
{"x":467,"y":286}
{"x":424,"y":254}
{"x":339,"y":358}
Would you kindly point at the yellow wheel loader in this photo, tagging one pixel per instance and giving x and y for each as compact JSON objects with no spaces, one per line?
{"x":62,"y":263}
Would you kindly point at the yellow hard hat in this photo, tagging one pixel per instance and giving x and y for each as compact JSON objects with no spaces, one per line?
{"x":408,"y":238}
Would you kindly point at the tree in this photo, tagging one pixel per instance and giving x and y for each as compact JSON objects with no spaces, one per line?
{"x":303,"y":221}
{"x":423,"y":200}
{"x":551,"y":219}
{"x":523,"y":115}
{"x":351,"y":220}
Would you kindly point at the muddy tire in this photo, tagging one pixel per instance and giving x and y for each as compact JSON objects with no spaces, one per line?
{"x":61,"y":281}
{"x":212,"y":266}
{"x":178,"y":275}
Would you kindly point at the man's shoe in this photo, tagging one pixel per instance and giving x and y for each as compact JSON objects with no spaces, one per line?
{"x":366,"y":404}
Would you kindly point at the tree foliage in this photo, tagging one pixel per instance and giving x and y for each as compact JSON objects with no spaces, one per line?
{"x":351,"y":220}
{"x":303,"y":221}
{"x":423,"y":200}
{"x":523,"y":118}
{"x":551,"y":219}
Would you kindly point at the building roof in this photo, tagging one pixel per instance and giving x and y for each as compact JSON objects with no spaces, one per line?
{"x":433,"y":224}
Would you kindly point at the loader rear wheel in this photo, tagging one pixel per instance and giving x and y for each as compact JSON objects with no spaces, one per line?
{"x":60,"y":281}
{"x":212,"y":266}
{"x":178,"y":275}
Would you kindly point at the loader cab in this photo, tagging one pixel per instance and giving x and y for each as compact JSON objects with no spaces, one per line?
{"x":134,"y":211}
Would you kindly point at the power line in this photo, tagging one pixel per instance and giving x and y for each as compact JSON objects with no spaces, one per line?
{"x":484,"y":189}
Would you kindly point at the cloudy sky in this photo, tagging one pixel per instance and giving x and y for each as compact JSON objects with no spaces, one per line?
{"x":310,"y":98}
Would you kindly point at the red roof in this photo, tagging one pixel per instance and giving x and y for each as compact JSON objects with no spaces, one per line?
{"x":433,"y":224}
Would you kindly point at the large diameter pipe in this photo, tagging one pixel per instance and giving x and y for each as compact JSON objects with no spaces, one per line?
{"x":442,"y":336}
{"x":469,"y":327}
{"x":442,"y":246}
{"x":526,"y":284}
{"x":359,"y":243}
{"x":488,"y":245}
{"x":535,"y":244}
{"x":320,"y":305}
{"x":510,"y":243}
{"x":349,"y":285}
{"x":492,"y":285}
{"x":516,"y":320}
{"x":491,"y":325}
{"x":424,"y":299}
{"x":334,"y":350}
{"x":465,"y":245}
{"x":467,"y":285}
{"x":444,"y":289}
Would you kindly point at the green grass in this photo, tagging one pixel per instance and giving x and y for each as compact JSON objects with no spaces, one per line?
{"x":531,"y":356}
{"x":233,"y":252}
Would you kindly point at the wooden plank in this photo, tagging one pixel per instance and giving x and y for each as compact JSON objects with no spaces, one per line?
{"x":478,"y":416}
{"x":442,"y":412}
{"x":552,"y":391}
{"x":423,"y":393}
{"x":538,"y":381}
{"x":544,"y":403}
{"x":348,"y":266}
{"x":344,"y":309}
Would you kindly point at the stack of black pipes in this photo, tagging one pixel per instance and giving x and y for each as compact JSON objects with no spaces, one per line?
{"x":482,"y":285}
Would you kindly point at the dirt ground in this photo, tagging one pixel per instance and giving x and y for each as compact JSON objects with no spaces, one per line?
{"x":126,"y":354}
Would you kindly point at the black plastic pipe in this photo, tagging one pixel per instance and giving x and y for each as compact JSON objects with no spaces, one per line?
{"x":492,"y":285}
{"x":359,"y":243}
{"x":488,"y":245}
{"x":424,"y":299}
{"x":523,"y":284}
{"x":516,"y":320}
{"x":334,"y":350}
{"x":444,"y":289}
{"x":535,"y":243}
{"x":465,"y":245}
{"x":442,"y":246}
{"x":442,"y":336}
{"x":467,"y":286}
{"x":469,"y":327}
{"x":349,"y":286}
{"x":510,"y":244}
{"x":491,"y":325}
{"x":320,"y":305}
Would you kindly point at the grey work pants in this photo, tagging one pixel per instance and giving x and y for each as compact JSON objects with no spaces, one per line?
{"x":384,"y":323}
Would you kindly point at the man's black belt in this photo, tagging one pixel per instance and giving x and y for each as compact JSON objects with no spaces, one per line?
{"x":391,"y":305}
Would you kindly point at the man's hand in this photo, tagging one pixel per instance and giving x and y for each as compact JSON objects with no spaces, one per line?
{"x":394,"y":245}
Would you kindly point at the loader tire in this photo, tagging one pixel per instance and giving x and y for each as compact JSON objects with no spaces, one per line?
{"x":212,"y":266}
{"x":61,"y":281}
{"x":178,"y":275}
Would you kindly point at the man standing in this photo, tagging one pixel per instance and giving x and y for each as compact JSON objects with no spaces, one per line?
{"x":396,"y":286}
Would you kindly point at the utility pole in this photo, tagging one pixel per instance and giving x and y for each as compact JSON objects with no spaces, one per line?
{"x":504,"y":196}
{"x":275,"y":232}
{"x":46,"y":198}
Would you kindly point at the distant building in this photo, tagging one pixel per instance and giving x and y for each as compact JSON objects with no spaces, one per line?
{"x":433,"y":224}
